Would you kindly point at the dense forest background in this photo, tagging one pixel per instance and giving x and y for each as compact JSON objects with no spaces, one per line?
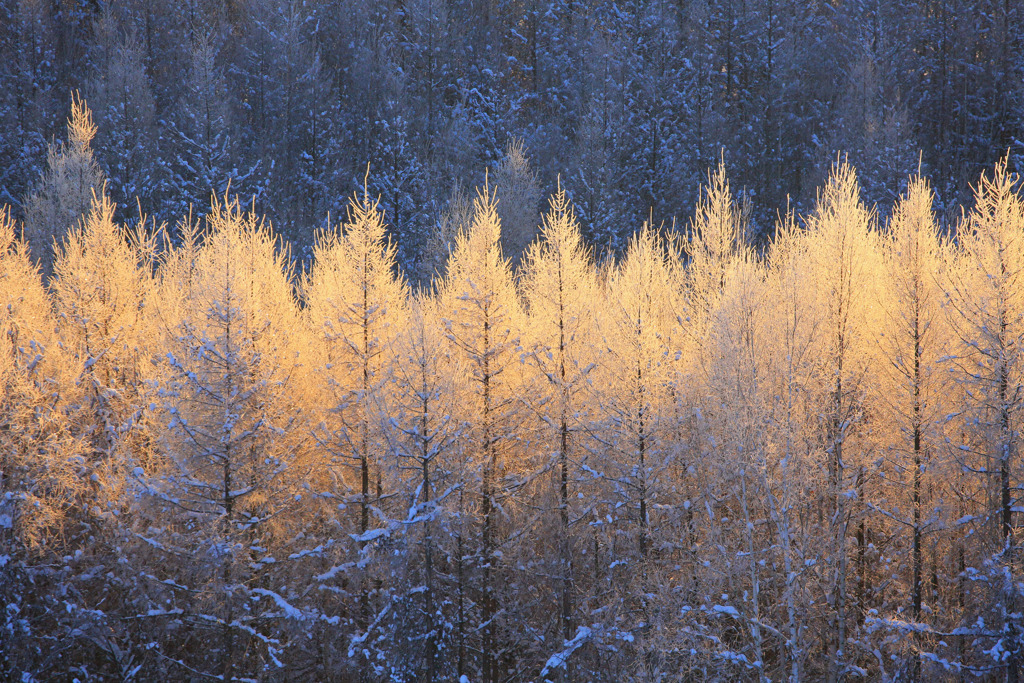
{"x":631,"y":102}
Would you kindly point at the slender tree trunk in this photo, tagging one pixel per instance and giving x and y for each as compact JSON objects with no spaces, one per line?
{"x":428,"y":542}
{"x":641,"y":448}
{"x":916,"y":588}
{"x":460,"y":571}
{"x":962,"y":604}
{"x":755,"y":581}
{"x":793,"y":644}
{"x":364,"y":525}
{"x":227,"y":631}
{"x":228,"y":500}
{"x":785,"y":529}
{"x":839,"y":526}
{"x":863,"y":577}
{"x":567,"y":626}
{"x":1006,"y":503}
{"x":563,"y":458}
{"x":487,"y":504}
{"x":364,"y":463}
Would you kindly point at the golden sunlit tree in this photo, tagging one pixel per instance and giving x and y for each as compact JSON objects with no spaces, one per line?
{"x":102,"y":292}
{"x":228,"y":424}
{"x":40,"y":483}
{"x":715,"y":241}
{"x":481,"y":315}
{"x":913,"y":338}
{"x":984,"y":287}
{"x":791,"y":440}
{"x":423,"y":434}
{"x":631,"y":400}
{"x":36,"y":488}
{"x":560,"y":292}
{"x":85,"y":427}
{"x":737,"y":385}
{"x":843,"y":253}
{"x":709,"y":261}
{"x":356,"y":304}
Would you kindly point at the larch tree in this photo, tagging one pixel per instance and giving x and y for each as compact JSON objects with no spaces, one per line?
{"x":217,"y":503}
{"x":423,"y":433}
{"x":396,"y":152}
{"x":40,"y":482}
{"x":63,"y":195}
{"x":102,"y":288}
{"x":985,"y":298}
{"x":99,"y":294}
{"x":481,"y":317}
{"x":716,"y":239}
{"x":699,"y":266}
{"x":518,"y":191}
{"x":843,"y":279}
{"x":631,"y":399}
{"x":597,"y":196}
{"x":128,"y":135}
{"x":356,"y":304}
{"x":204,"y":158}
{"x":714,"y":252}
{"x":30,"y":358}
{"x":281,"y":75}
{"x":560,"y":292}
{"x":791,"y":438}
{"x":913,"y":339}
{"x":737,"y":384}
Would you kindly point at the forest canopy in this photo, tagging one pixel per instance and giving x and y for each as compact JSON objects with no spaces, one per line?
{"x":516,"y":341}
{"x":697,"y":459}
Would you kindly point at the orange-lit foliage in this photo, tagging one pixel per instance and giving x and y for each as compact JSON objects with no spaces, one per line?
{"x":697,"y":460}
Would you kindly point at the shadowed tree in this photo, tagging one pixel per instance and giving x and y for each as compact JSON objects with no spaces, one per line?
{"x":64,"y":193}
